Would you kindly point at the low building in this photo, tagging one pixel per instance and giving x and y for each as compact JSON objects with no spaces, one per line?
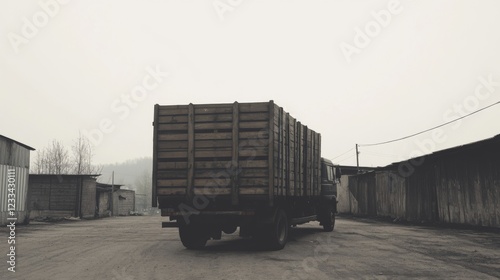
{"x":123,"y":200}
{"x":14,"y":170}
{"x":57,"y":195}
{"x":344,"y":198}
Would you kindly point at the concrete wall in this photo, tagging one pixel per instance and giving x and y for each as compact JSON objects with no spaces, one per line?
{"x":88,"y":203}
{"x":103,"y":207}
{"x":123,"y":202}
{"x":460,"y":186}
{"x":62,"y":195}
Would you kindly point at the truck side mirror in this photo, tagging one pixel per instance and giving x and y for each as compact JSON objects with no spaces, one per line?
{"x":338,"y":173}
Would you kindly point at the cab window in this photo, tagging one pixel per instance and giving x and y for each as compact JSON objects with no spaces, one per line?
{"x":329,"y":170}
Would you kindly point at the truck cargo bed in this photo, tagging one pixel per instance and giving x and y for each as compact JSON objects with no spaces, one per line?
{"x":233,"y":152}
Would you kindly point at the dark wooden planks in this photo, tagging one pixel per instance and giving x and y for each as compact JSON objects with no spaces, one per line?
{"x":234,"y":149}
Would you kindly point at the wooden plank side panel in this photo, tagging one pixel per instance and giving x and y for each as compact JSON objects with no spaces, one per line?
{"x":213,"y":126}
{"x":271,"y":111}
{"x":172,"y":137}
{"x":162,"y":165}
{"x":172,"y":119}
{"x":172,"y":182}
{"x":291,"y":170}
{"x":287,"y":155}
{"x":235,"y":155}
{"x":279,"y":157}
{"x":171,"y":191}
{"x":213,"y":118}
{"x":254,"y":173}
{"x":172,"y":174}
{"x":281,"y":144}
{"x":255,"y":107}
{"x":154,"y":198}
{"x":298,"y":160}
{"x":190,"y":152}
{"x":318,"y":161}
{"x":284,"y":130}
{"x":204,"y":109}
{"x":254,"y":117}
{"x":173,"y":126}
{"x":173,"y":110}
{"x":309,"y":162}
{"x":172,"y":145}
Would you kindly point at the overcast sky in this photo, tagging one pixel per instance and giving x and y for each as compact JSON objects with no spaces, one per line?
{"x":355,"y":71}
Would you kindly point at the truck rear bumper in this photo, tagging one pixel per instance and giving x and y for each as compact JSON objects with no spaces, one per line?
{"x":172,"y":212}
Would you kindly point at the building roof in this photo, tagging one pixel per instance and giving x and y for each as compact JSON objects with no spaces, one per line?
{"x":107,"y":187}
{"x":495,"y":140}
{"x":17,"y":142}
{"x":352,"y":170}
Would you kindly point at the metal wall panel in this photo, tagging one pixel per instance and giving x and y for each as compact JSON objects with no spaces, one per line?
{"x":21,"y":187}
{"x":13,"y":154}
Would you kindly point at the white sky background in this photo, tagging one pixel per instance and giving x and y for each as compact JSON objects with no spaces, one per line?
{"x":428,"y":58}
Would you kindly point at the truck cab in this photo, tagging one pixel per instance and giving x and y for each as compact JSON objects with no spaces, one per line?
{"x":330,"y":176}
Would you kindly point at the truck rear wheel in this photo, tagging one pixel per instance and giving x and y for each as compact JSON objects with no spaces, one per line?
{"x":192,"y":237}
{"x":277,"y":233}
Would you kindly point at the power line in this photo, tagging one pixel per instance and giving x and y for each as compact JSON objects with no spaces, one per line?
{"x":380,"y":155}
{"x":343,"y":153}
{"x":345,"y":159}
{"x":446,"y":123}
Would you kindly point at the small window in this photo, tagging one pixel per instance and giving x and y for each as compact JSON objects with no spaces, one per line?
{"x":330,"y":173}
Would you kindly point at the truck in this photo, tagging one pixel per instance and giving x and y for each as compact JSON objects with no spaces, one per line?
{"x":252,"y":166}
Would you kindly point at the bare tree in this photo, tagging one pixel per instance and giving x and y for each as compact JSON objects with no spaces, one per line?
{"x":59,"y":161}
{"x":39,"y":164}
{"x":82,"y":157}
{"x":55,"y":158}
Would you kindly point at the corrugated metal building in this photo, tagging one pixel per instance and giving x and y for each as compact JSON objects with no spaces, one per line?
{"x":14,"y":168}
{"x":56,"y":195}
{"x":460,"y":185}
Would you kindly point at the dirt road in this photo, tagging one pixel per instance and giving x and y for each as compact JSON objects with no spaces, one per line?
{"x":138,"y":248}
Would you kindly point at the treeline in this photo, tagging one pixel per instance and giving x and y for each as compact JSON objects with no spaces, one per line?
{"x":55,"y":158}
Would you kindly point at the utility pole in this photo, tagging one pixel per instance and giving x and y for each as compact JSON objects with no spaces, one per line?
{"x":112,"y":190}
{"x":357,"y":158}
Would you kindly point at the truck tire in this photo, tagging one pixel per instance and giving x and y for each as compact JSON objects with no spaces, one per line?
{"x":277,"y":233}
{"x":192,"y":237}
{"x":329,"y":222}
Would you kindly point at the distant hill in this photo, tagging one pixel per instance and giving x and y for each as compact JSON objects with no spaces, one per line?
{"x":126,"y":173}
